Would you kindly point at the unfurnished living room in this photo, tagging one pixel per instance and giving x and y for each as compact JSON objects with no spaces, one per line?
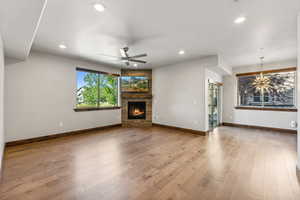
{"x":149,"y":100}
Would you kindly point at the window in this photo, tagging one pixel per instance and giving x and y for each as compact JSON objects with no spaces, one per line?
{"x":108,"y":87}
{"x":96,"y":90}
{"x":280,"y":95}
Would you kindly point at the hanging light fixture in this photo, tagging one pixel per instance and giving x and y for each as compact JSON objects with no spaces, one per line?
{"x":262,"y":83}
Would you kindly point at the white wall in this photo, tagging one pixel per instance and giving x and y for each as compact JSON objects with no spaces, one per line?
{"x":298,"y":92}
{"x":179,"y":94}
{"x":41,"y":92}
{"x":272,"y":119}
{"x":1,"y":102}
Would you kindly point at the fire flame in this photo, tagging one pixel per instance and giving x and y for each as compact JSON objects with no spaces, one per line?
{"x":137,"y":112}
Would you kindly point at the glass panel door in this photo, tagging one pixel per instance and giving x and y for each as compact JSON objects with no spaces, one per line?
{"x":213,"y":105}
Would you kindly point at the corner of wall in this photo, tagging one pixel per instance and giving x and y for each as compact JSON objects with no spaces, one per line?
{"x":298,"y":91}
{"x":1,"y":103}
{"x":167,"y":80}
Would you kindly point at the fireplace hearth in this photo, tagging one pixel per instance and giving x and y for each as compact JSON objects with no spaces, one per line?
{"x":136,"y":110}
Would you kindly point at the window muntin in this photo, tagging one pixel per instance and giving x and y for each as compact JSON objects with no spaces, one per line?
{"x":96,"y":89}
{"x":281,"y":94}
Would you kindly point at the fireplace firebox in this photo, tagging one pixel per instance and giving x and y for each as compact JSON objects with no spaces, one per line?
{"x":136,"y":110}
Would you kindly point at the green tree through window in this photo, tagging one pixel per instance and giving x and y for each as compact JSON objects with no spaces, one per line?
{"x":108,"y":90}
{"x":96,"y":89}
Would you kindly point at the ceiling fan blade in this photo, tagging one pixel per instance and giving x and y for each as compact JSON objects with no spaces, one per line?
{"x":116,"y":57}
{"x":138,"y":61}
{"x":122,"y":53}
{"x":139,"y":56}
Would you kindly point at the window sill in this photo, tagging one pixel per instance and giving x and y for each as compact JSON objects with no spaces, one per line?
{"x":94,"y":109}
{"x":267,"y":109}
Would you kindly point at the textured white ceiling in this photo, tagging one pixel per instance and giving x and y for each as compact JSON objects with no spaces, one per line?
{"x":161,"y":28}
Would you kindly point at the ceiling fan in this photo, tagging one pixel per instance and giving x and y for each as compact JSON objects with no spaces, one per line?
{"x":127,"y":59}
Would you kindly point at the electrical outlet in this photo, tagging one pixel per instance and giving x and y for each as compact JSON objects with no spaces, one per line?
{"x":293,"y":124}
{"x":61,"y":124}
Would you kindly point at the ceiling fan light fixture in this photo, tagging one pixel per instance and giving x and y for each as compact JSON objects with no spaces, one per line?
{"x":129,"y":60}
{"x":99,"y":7}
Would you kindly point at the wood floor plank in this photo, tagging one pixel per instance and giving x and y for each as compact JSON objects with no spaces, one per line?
{"x":154,"y":163}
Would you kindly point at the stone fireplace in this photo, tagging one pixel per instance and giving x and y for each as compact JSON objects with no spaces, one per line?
{"x":137,"y":107}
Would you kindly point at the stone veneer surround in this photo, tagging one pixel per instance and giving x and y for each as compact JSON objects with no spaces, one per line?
{"x":137,"y":97}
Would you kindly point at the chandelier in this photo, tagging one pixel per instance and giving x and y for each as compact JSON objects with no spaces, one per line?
{"x":262,"y":83}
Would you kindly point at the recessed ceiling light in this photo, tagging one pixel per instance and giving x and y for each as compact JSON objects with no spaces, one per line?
{"x":99,"y":7}
{"x":240,"y":20}
{"x":135,"y":65}
{"x":181,"y":52}
{"x":62,"y":46}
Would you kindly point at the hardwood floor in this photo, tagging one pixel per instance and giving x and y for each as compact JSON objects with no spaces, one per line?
{"x":154,"y":163}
